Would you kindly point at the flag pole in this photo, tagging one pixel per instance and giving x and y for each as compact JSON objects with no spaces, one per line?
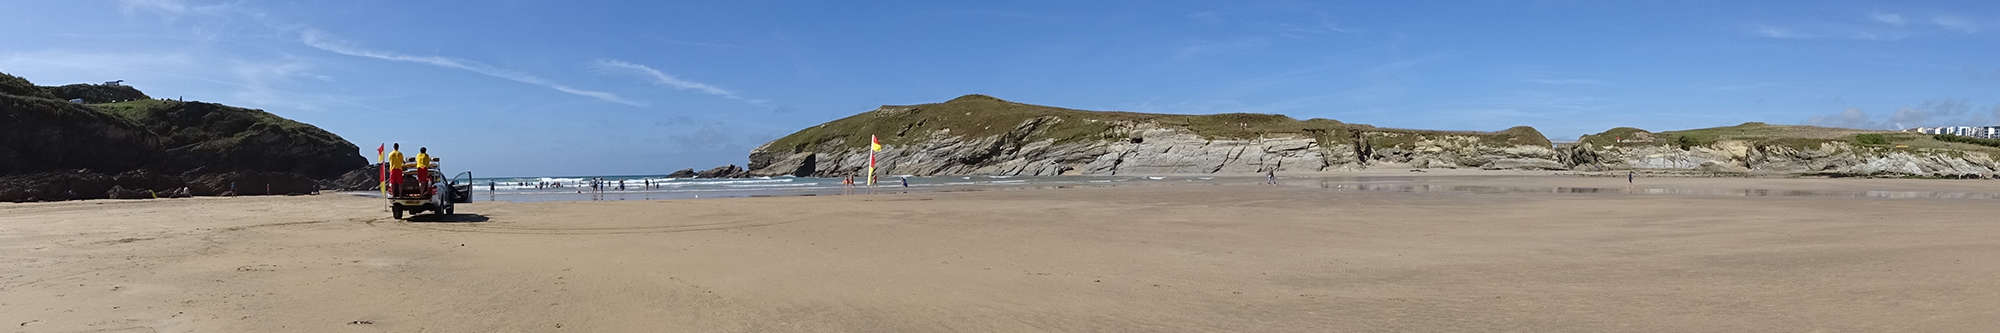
{"x":381,"y":171}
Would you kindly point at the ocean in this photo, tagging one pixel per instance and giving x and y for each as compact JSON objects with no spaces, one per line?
{"x":656,"y":187}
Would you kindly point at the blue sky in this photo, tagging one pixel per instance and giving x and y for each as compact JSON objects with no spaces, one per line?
{"x":512,"y":88}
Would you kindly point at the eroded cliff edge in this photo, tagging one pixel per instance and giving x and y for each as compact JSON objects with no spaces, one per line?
{"x":978,"y":134}
{"x":983,"y":135}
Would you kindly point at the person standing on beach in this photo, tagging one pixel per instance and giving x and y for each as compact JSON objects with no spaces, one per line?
{"x":395,"y":166}
{"x":424,"y":166}
{"x":1628,"y":176}
{"x":1271,"y":177}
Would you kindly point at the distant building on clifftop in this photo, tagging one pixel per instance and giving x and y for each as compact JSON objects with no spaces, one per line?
{"x":1983,"y":132}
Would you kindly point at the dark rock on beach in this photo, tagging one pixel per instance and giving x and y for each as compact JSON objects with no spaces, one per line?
{"x":726,"y":171}
{"x":253,"y":183}
{"x":366,"y":178}
{"x":682,"y":173}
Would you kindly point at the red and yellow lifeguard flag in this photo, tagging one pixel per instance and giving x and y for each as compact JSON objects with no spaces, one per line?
{"x":382,"y":169}
{"x":874,"y":145}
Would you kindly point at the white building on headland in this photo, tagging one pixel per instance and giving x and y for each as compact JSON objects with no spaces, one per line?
{"x":1983,"y":132}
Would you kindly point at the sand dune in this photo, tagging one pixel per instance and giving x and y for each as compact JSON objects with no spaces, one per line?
{"x":1233,"y":257}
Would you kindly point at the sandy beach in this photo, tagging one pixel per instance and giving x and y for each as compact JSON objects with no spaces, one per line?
{"x":1481,"y":253}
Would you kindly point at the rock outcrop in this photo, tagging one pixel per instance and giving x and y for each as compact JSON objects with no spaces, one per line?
{"x":977,"y":134}
{"x":983,"y":135}
{"x":726,"y":171}
{"x":1756,"y":148}
{"x":53,"y":149}
{"x":682,"y":173}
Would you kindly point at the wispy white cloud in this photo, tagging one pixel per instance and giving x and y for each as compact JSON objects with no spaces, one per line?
{"x":670,"y":81}
{"x":1878,"y":36}
{"x":1828,"y":31}
{"x":1570,"y":81}
{"x":1767,"y":31}
{"x":171,"y":7}
{"x":1206,"y":16}
{"x":1743,"y":86}
{"x":1941,"y":112}
{"x":1887,"y":18}
{"x":1202,"y":48}
{"x":1321,"y":25}
{"x":320,"y":40}
{"x":1399,"y":65}
{"x":678,"y":42}
{"x":69,"y":66}
{"x":1955,"y":23}
{"x":281,"y":83}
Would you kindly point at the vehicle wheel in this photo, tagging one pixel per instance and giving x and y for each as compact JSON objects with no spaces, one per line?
{"x":396,"y":212}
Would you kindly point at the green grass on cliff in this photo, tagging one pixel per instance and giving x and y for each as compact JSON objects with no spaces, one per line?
{"x":1805,"y":137}
{"x":17,"y":86}
{"x":211,"y":124}
{"x":979,"y":116}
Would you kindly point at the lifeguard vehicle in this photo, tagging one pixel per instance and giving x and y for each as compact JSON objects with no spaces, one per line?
{"x":441,"y":196}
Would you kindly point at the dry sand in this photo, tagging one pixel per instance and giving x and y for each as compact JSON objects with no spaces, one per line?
{"x":1233,"y":257}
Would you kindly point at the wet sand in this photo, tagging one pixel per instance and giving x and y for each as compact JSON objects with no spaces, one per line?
{"x":1312,"y":255}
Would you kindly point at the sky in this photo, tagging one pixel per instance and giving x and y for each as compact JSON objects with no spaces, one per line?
{"x":530,"y":88}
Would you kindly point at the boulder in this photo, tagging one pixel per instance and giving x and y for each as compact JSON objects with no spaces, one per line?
{"x":143,"y":180}
{"x":55,"y":186}
{"x":682,"y":173}
{"x":726,"y":171}
{"x":120,"y":192}
{"x":366,"y":178}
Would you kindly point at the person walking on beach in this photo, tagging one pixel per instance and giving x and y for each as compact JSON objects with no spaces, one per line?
{"x":1628,"y":176}
{"x":1271,"y":177}
{"x":395,"y":165}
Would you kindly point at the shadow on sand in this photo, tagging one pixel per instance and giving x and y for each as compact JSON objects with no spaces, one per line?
{"x":447,"y":218}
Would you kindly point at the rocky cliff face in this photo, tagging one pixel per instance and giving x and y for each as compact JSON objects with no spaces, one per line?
{"x":983,"y":135}
{"x":1917,"y":157}
{"x":1832,"y":158}
{"x":51,"y":149}
{"x":1036,"y":140}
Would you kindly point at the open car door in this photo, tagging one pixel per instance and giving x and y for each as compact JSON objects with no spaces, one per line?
{"x":461,"y":187}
